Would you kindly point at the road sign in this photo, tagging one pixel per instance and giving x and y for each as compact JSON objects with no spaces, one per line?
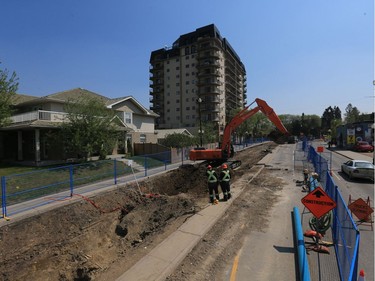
{"x":318,"y":202}
{"x":320,"y":149}
{"x":361,"y":209}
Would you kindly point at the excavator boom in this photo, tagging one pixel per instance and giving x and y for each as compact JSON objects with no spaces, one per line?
{"x":224,"y":152}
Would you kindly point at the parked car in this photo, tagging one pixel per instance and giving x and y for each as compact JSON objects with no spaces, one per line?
{"x":363,"y":146}
{"x":358,"y":169}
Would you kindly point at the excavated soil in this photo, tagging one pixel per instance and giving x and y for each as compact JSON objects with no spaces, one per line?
{"x":101,"y":237}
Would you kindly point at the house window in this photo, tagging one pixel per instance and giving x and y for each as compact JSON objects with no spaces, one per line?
{"x":142,"y":138}
{"x":128,"y":117}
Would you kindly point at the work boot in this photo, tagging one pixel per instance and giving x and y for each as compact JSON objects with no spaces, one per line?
{"x":225,"y":198}
{"x":211,"y":200}
{"x":229,"y":195}
{"x":217,"y":197}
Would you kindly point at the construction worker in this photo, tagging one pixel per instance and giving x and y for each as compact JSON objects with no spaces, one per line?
{"x":224,"y":179}
{"x":313,"y":181}
{"x":213,"y":184}
{"x":305,"y":183}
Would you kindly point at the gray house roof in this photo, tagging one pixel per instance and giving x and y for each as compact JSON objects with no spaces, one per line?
{"x":163,"y":133}
{"x":75,"y":95}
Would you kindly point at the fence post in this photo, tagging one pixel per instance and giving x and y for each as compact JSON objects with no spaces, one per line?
{"x":145,"y":166}
{"x":115,"y":170}
{"x":71,"y":180}
{"x":3,"y":196}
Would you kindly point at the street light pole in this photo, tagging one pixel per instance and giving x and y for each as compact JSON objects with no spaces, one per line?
{"x":200,"y":122}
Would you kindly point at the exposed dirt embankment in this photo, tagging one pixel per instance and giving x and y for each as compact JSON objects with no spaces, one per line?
{"x":86,"y":241}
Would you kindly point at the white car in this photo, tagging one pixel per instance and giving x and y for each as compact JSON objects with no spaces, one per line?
{"x":358,"y":169}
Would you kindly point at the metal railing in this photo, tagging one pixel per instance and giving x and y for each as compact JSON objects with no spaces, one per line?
{"x":52,"y":116}
{"x":65,"y":180}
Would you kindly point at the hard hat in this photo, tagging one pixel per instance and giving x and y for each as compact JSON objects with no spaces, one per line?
{"x":209,"y":167}
{"x":224,"y":166}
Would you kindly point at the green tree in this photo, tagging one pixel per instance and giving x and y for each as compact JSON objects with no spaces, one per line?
{"x":8,"y":89}
{"x":177,"y":140}
{"x":351,"y":114}
{"x":90,"y":128}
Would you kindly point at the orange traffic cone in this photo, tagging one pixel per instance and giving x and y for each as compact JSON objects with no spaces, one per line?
{"x":361,"y":275}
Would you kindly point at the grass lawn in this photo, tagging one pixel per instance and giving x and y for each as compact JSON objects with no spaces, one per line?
{"x":6,"y":170}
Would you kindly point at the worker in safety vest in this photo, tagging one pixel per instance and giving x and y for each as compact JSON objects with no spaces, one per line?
{"x":213,"y":184}
{"x":224,"y":179}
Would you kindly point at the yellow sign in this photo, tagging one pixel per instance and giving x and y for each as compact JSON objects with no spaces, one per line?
{"x":350,"y":140}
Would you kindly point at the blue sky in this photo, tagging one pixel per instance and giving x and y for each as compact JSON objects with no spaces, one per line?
{"x":300,"y":56}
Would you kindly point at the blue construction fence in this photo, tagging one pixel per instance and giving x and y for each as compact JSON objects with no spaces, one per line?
{"x":345,"y":233}
{"x":18,"y":188}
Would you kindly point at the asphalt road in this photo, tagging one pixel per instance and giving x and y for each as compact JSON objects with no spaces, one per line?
{"x":357,"y":189}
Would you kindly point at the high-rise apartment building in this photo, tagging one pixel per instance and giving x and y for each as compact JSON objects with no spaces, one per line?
{"x":199,"y":79}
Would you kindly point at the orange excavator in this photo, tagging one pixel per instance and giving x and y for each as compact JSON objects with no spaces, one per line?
{"x":225,"y":151}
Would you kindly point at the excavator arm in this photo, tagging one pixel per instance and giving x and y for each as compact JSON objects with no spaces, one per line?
{"x":245,"y":114}
{"x":224,"y":152}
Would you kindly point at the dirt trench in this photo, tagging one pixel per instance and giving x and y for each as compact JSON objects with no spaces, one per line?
{"x":101,"y":237}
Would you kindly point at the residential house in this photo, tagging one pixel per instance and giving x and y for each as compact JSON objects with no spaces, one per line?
{"x":26,"y":139}
{"x":161,"y":134}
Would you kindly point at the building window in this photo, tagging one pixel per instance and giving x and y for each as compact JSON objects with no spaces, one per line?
{"x":142,"y":138}
{"x":187,"y":82}
{"x":187,"y":51}
{"x":177,"y":101}
{"x":188,"y":108}
{"x":187,"y":117}
{"x":187,"y":66}
{"x":177,"y":60}
{"x":177,"y":109}
{"x":128,"y":117}
{"x":177,"y":68}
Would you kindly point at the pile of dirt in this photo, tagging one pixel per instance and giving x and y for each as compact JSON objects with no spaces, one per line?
{"x":99,"y":238}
